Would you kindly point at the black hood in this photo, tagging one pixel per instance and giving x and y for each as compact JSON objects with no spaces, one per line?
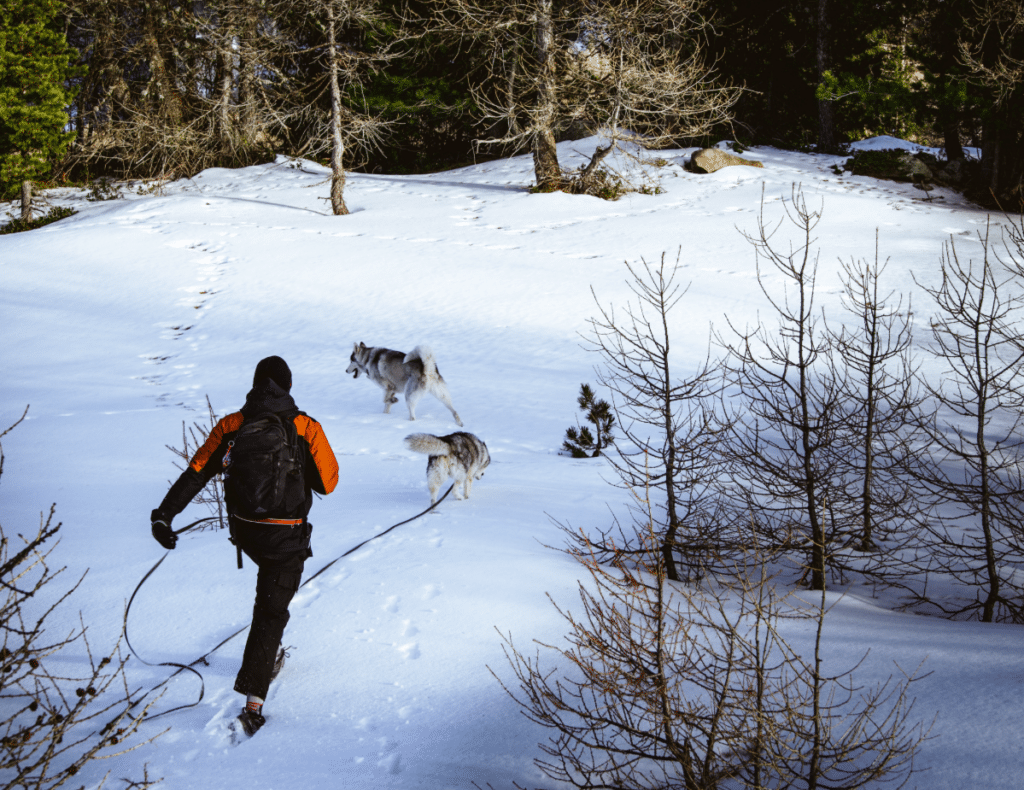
{"x":268,"y":396}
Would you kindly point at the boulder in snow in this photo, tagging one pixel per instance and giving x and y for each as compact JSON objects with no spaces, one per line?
{"x":708,"y":160}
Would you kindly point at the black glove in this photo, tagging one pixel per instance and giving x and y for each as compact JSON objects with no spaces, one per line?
{"x":162,"y":530}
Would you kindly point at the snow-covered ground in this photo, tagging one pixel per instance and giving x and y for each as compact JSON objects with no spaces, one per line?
{"x":120,"y":321}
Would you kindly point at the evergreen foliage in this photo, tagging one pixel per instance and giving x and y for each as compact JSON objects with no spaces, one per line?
{"x":35,"y":65}
{"x":580,"y":442}
{"x":54,"y":214}
{"x":172,"y":88}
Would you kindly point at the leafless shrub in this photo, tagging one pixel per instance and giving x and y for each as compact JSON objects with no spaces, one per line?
{"x":665,"y":686}
{"x":192,"y":438}
{"x":52,"y":724}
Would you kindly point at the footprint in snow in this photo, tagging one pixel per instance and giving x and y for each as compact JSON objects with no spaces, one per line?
{"x":392,"y":764}
{"x":391,"y":760}
{"x":366,"y":724}
{"x":304,"y":597}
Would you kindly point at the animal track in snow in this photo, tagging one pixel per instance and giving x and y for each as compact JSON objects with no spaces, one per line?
{"x":211,"y":266}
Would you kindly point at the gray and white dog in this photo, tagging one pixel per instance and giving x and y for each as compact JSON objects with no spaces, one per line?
{"x":414,"y":374}
{"x":459,"y":455}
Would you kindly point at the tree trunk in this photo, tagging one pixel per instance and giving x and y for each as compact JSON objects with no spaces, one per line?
{"x":951,"y":140}
{"x":545,"y":155}
{"x":26,"y":201}
{"x":247,"y":87}
{"x":226,"y":64}
{"x":337,"y":143}
{"x":826,"y":109}
{"x":990,"y":151}
{"x":163,"y":93}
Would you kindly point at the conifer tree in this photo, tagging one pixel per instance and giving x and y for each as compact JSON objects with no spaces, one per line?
{"x":35,"y":64}
{"x":580,"y":443}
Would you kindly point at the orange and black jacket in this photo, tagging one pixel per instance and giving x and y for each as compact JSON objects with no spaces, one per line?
{"x":321,"y":467}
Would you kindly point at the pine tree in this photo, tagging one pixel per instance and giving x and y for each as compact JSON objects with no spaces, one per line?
{"x":35,"y":64}
{"x":580,"y":443}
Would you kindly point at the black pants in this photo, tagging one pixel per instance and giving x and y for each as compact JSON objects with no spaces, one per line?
{"x":280,"y":552}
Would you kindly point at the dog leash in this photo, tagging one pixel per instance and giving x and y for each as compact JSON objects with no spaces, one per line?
{"x":179,"y":668}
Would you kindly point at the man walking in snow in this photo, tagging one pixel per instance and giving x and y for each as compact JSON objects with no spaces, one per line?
{"x":273,"y":457}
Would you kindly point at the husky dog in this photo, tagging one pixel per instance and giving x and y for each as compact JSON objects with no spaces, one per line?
{"x":460,"y":455}
{"x":414,"y":373}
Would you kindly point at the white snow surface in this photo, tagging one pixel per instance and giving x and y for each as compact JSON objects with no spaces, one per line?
{"x":118,"y":323}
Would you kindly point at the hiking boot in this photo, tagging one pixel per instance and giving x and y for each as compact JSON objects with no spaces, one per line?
{"x":251,"y":721}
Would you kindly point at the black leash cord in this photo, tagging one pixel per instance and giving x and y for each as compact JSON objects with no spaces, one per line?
{"x":380,"y":535}
{"x":179,"y":668}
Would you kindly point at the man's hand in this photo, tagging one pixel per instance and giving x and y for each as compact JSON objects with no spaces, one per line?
{"x":162,"y":531}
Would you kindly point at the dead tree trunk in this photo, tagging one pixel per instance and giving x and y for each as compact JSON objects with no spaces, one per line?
{"x":337,"y":142}
{"x":26,"y":201}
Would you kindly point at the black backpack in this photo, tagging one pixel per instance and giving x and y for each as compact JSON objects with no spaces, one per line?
{"x":263,"y":469}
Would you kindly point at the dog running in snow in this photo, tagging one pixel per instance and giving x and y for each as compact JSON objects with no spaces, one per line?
{"x":414,"y":374}
{"x":459,"y":455}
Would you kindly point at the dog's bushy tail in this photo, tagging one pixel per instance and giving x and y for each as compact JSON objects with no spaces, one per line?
{"x":423,"y":353}
{"x":428,"y":444}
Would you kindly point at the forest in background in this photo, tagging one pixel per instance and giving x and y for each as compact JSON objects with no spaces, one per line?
{"x":162,"y":88}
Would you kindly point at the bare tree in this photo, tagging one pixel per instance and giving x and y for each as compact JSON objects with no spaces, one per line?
{"x":248,"y":63}
{"x":881,"y":405}
{"x":973,"y":465}
{"x":631,"y":69}
{"x":349,"y":55}
{"x":784,"y":446}
{"x":52,"y":724}
{"x":671,"y":423}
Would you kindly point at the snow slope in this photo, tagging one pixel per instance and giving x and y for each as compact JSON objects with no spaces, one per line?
{"x":120,"y":321}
